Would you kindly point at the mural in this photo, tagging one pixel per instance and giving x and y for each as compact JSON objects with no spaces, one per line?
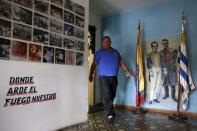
{"x":161,"y":72}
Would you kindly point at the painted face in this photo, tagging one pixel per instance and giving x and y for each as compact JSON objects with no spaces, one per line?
{"x":155,"y":47}
{"x":106,"y":43}
{"x":165,"y":44}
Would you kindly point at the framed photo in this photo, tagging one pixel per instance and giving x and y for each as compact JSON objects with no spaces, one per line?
{"x":40,"y":36}
{"x":4,"y":49}
{"x":79,"y":58}
{"x":80,"y":10}
{"x":55,"y":40}
{"x":22,"y":15}
{"x":79,"y":22}
{"x":5,"y":9}
{"x":56,"y":12}
{"x":56,"y":26}
{"x":79,"y":33}
{"x":18,"y":50}
{"x":57,"y":2}
{"x":22,"y":32}
{"x":68,"y":30}
{"x":70,"y":57}
{"x":41,"y":6}
{"x":48,"y":54}
{"x":79,"y":45}
{"x":41,"y":21}
{"x":68,"y":44}
{"x":5,"y":28}
{"x":69,"y":5}
{"x":35,"y":52}
{"x":59,"y":56}
{"x":25,"y":3}
{"x":68,"y":17}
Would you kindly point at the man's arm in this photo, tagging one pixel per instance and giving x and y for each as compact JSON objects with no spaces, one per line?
{"x":92,"y":69}
{"x":124,"y":67}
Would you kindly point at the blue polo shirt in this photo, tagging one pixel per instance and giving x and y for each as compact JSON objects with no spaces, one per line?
{"x":107,"y":62}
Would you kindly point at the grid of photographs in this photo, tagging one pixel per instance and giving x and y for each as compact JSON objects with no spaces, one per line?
{"x":48,"y":31}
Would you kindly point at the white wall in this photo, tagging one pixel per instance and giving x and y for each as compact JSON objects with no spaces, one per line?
{"x":95,"y":20}
{"x":68,"y":82}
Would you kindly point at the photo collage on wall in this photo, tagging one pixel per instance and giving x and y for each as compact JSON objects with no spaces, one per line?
{"x":45,"y":31}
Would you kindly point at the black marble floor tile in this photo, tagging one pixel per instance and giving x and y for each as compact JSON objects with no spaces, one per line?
{"x":126,"y":121}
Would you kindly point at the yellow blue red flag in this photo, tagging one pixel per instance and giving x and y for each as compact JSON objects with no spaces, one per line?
{"x":139,"y":78}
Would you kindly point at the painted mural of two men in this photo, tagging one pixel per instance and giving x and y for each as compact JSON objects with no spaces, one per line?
{"x":162,"y":71}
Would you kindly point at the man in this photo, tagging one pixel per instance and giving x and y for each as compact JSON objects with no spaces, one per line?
{"x":168,"y":61}
{"x":108,"y":61}
{"x":154,"y":69}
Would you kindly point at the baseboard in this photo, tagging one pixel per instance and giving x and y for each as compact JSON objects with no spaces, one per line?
{"x":160,"y":111}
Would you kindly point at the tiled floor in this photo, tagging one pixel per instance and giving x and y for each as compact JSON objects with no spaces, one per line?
{"x":127,"y":121}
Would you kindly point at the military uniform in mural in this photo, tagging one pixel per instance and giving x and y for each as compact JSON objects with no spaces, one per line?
{"x":168,"y":63}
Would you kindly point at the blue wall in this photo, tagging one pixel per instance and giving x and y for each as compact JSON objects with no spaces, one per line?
{"x":158,"y":21}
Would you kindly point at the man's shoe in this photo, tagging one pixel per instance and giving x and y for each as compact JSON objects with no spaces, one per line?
{"x":110,"y":118}
{"x":165,"y":96}
{"x":155,"y":100}
{"x":150,"y":102}
{"x":175,"y":99}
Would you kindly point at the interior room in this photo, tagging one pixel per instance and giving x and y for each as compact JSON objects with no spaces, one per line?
{"x":98,"y":65}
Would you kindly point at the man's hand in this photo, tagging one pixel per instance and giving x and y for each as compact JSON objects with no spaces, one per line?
{"x":127,"y":73}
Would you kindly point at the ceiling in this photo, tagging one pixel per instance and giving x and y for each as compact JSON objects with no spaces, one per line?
{"x":109,"y":7}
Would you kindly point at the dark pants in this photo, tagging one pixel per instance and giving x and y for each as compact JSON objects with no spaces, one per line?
{"x":172,"y":92}
{"x":108,"y":86}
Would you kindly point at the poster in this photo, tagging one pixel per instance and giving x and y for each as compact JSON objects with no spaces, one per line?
{"x":56,"y":26}
{"x":56,"y":12}
{"x":57,"y":2}
{"x":18,"y":50}
{"x":5,"y":28}
{"x":48,"y":54}
{"x":68,"y":17}
{"x":35,"y":52}
{"x":55,"y":40}
{"x":69,"y":43}
{"x":5,"y":9}
{"x":79,"y":22}
{"x":59,"y":56}
{"x":161,"y":72}
{"x":22,"y":15}
{"x":41,"y":21}
{"x":25,"y":3}
{"x":22,"y":32}
{"x":4,"y":48}
{"x":41,"y":6}
{"x":79,"y":58}
{"x":70,"y":57}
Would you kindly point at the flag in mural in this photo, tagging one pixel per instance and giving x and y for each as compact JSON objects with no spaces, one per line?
{"x":186,"y":81}
{"x":139,"y":78}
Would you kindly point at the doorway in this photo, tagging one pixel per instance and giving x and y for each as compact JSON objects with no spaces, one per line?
{"x":91,"y":51}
